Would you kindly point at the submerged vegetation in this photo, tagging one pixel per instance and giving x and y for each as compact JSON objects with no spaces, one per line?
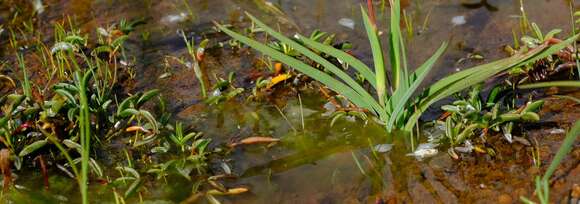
{"x":78,"y":106}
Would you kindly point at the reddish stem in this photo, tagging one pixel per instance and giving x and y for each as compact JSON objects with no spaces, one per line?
{"x":44,"y":171}
{"x":371,"y":12}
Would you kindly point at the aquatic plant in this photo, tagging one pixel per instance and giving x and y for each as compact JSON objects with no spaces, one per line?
{"x":472,"y":115}
{"x":196,"y":55}
{"x":393,"y":103}
{"x":542,"y":183}
{"x":224,"y":90}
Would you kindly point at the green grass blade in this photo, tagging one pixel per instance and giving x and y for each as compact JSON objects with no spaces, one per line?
{"x":316,"y":74}
{"x":378,"y":59}
{"x":402,"y":96}
{"x":395,"y":45}
{"x":362,"y":68}
{"x":320,"y":60}
{"x":550,"y":84}
{"x":563,"y":150}
{"x":85,"y":133}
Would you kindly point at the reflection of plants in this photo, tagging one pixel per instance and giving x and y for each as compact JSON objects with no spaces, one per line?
{"x":393,"y":103}
{"x":470,"y":116}
{"x":543,"y":183}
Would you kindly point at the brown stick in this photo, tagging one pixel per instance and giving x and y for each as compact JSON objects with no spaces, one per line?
{"x":5,"y":168}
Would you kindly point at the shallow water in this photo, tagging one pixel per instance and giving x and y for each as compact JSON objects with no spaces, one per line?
{"x":314,"y":163}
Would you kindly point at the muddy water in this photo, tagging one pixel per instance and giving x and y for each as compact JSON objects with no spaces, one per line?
{"x":316,"y":163}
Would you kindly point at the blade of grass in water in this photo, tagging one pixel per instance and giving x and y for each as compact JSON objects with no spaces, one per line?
{"x":380,"y":75}
{"x":542,"y":191}
{"x":403,"y":96}
{"x":26,"y":83}
{"x":550,"y":84}
{"x":563,"y":150}
{"x":395,"y":45}
{"x":85,"y":133}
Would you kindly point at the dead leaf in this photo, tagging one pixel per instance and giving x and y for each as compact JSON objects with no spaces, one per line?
{"x":255,"y":140}
{"x":231,"y":191}
{"x":136,"y":128}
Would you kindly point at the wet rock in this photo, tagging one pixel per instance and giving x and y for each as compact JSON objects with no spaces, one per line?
{"x":575,"y":191}
{"x":504,"y":199}
{"x":533,"y":171}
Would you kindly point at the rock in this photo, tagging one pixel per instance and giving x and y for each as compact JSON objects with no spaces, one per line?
{"x":575,"y":191}
{"x":504,"y":199}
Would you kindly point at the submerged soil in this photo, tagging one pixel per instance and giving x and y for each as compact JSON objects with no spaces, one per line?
{"x":314,"y":162}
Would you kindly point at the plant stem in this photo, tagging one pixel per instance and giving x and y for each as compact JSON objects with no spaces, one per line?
{"x":85,"y":134}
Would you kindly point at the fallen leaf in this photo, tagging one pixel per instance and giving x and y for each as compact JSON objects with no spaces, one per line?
{"x":277,"y":79}
{"x":231,"y":191}
{"x":255,"y":140}
{"x":136,"y":128}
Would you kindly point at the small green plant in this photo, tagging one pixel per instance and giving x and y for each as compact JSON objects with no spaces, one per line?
{"x":472,"y":115}
{"x":224,"y":90}
{"x":393,"y":103}
{"x":196,"y":55}
{"x":180,"y":139}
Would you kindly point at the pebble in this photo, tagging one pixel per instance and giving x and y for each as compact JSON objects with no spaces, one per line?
{"x":458,"y":20}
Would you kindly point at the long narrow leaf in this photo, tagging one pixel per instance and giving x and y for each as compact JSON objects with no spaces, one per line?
{"x":362,"y":68}
{"x":378,"y":59}
{"x":316,"y":74}
{"x":550,"y":84}
{"x":395,"y":45}
{"x":366,"y":97}
{"x":402,"y":96}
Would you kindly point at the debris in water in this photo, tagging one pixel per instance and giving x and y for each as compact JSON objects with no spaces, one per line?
{"x":5,"y":167}
{"x":557,"y":131}
{"x":255,"y":140}
{"x":278,"y":79}
{"x":382,"y":148}
{"x":467,"y":148}
{"x":424,"y":150}
{"x":231,"y":191}
{"x":61,"y":46}
{"x":37,"y":6}
{"x":136,"y":129}
{"x":458,"y":20}
{"x":174,"y":18}
{"x":346,"y":22}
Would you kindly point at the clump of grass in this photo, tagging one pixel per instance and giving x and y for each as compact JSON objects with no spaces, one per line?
{"x":393,"y":102}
